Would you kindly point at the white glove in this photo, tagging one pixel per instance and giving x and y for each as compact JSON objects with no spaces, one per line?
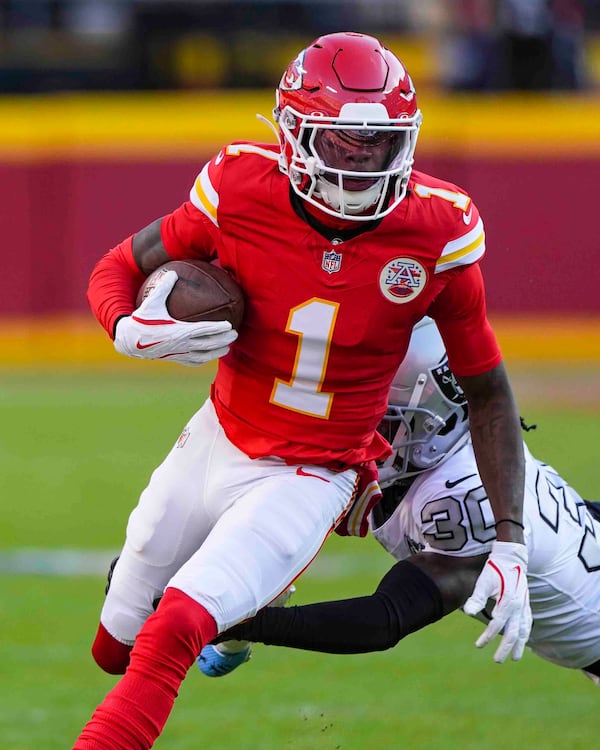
{"x":151,"y":333}
{"x":504,"y":578}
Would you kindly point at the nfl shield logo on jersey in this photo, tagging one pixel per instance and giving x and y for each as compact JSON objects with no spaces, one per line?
{"x":182,"y":439}
{"x":332,"y":261}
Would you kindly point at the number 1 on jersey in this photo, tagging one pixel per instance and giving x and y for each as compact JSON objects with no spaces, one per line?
{"x":313,"y":321}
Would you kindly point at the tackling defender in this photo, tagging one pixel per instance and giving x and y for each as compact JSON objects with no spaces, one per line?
{"x":435,"y":517}
{"x":340,"y":248}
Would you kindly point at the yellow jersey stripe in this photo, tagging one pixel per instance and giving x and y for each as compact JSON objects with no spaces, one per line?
{"x":204,"y":196}
{"x":356,"y":514}
{"x":235,"y":149}
{"x":465,"y":255}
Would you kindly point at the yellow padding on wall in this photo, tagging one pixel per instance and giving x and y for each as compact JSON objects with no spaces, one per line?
{"x":167,"y":124}
{"x":55,"y":340}
{"x":81,"y":341}
{"x":565,"y":339}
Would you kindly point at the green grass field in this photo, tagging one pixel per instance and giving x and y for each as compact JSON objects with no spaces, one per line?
{"x":75,"y":451}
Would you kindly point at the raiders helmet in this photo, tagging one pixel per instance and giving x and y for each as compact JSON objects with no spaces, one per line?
{"x":427,"y":418}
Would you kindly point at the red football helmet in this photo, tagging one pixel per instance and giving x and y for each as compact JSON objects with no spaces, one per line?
{"x":348,"y":124}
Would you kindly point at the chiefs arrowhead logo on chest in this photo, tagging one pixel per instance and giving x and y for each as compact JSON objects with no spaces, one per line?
{"x":402,"y":279}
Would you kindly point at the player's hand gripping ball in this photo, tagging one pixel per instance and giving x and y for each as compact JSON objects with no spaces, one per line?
{"x":202,"y":292}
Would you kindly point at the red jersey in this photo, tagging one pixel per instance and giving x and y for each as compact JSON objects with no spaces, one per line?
{"x":328,"y":320}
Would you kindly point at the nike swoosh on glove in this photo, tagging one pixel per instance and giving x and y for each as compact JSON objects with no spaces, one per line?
{"x":151,"y":333}
{"x":367,"y":495}
{"x":504,"y":578}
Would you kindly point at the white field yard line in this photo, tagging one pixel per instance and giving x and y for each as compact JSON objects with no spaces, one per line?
{"x":72,"y":563}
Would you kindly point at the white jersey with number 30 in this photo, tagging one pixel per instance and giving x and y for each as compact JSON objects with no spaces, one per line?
{"x":446,"y":510}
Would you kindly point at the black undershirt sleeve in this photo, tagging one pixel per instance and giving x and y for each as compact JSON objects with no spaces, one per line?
{"x":406,"y":600}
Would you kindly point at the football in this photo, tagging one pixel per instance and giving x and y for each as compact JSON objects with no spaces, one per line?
{"x":202,"y":292}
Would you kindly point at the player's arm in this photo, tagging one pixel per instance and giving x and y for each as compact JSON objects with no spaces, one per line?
{"x":476,"y":361}
{"x":149,"y":331}
{"x":498,"y":447}
{"x":118,"y":275}
{"x":191,"y":231}
{"x":184,"y":233}
{"x":148,"y":249}
{"x":410,"y":596}
{"x":496,"y":435}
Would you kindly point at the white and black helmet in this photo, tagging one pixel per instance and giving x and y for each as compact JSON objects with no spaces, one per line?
{"x":426,"y":420}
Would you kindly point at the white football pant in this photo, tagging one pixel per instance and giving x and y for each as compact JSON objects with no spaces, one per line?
{"x":229,"y":531}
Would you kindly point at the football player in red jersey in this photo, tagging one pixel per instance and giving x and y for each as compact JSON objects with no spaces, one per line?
{"x":340,"y":249}
{"x":435,"y":519}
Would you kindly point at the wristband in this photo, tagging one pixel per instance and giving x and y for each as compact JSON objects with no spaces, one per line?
{"x":509,"y":520}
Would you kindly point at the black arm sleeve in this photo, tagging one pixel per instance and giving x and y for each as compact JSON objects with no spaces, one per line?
{"x":406,"y":600}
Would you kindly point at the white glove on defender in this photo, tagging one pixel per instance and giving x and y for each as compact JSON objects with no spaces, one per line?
{"x":504,"y":578}
{"x":151,"y":333}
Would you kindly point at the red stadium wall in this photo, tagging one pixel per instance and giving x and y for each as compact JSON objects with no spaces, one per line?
{"x":78,"y":175}
{"x":58,"y":218}
{"x":541,"y":233}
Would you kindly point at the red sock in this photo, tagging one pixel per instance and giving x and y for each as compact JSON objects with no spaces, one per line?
{"x":134,"y":713}
{"x":110,"y":654}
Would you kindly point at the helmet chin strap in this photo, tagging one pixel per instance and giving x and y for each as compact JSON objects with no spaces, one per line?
{"x":351,"y":201}
{"x":269,"y":124}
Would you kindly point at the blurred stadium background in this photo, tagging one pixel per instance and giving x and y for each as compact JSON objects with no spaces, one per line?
{"x":108,"y":109}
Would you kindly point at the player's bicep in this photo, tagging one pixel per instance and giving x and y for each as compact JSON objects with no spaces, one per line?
{"x":188,"y":233}
{"x":148,"y":249}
